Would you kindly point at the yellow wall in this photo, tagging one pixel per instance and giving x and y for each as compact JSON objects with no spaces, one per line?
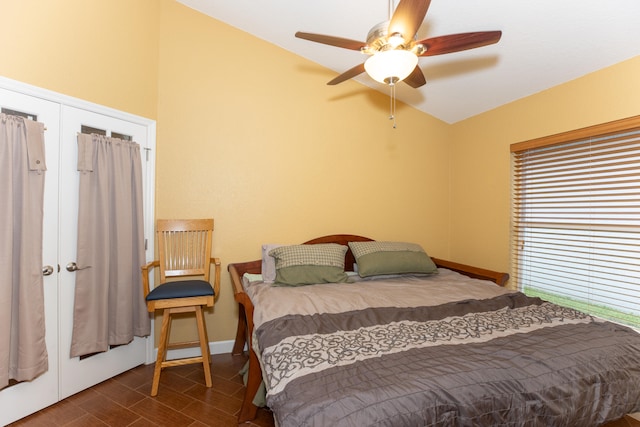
{"x":480,"y":160}
{"x":103,"y":51}
{"x":246,"y":132}
{"x":251,"y":135}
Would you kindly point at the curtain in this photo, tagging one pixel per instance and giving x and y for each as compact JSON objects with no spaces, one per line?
{"x":109,"y":307}
{"x":23,"y":352}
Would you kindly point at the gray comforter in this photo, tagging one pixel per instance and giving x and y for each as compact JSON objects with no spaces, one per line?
{"x":438,"y":351}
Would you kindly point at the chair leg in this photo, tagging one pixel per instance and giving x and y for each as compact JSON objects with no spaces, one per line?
{"x":162,"y":350}
{"x":204,"y":346}
{"x":206,"y":336}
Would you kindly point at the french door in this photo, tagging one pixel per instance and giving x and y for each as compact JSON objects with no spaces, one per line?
{"x":64,"y":118}
{"x":79,"y":373}
{"x":21,"y":399}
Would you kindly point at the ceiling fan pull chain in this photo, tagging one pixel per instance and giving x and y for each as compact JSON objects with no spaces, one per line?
{"x":392,"y":106}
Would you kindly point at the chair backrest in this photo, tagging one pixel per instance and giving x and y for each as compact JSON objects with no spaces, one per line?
{"x":184,"y":247}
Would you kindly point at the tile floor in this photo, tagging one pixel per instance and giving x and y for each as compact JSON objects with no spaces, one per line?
{"x":182,"y":400}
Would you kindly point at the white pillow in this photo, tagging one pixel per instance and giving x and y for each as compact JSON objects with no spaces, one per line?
{"x":268,"y":263}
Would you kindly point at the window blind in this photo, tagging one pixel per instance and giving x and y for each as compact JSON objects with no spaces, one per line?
{"x":576,"y":219}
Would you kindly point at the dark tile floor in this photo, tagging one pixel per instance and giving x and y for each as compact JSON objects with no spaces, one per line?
{"x":182,"y":400}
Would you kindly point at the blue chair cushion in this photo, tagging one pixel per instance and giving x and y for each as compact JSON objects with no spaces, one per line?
{"x":181,"y":289}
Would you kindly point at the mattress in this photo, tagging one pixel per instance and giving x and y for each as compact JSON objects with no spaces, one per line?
{"x":437,"y":350}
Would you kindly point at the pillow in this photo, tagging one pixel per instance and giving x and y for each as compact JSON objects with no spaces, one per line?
{"x":298,"y":265}
{"x":268,"y":263}
{"x":376,"y":258}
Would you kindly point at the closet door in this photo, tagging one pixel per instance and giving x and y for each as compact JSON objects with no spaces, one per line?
{"x":79,"y":373}
{"x":63,"y":118}
{"x":19,"y":400}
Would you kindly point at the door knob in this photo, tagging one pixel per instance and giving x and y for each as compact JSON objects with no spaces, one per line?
{"x":72,"y":266}
{"x":47,"y":270}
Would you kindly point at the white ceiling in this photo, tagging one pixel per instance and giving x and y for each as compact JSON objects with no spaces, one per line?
{"x":544,"y":43}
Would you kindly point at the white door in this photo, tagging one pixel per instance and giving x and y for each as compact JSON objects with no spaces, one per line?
{"x":25,"y":398}
{"x":79,"y":373}
{"x":63,"y":117}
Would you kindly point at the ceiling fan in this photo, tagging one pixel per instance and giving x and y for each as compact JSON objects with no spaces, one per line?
{"x":393,"y":47}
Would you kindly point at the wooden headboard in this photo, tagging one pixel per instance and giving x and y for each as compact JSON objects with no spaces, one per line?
{"x":255,"y":267}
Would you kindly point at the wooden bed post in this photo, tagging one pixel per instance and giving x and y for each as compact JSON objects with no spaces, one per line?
{"x":248,"y":410}
{"x":244,"y":331}
{"x":241,"y":332}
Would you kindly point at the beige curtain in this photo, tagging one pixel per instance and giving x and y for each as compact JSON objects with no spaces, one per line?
{"x":23,"y":353}
{"x":109,"y":308}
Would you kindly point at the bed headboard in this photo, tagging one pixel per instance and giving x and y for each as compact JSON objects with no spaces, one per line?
{"x":255,"y":267}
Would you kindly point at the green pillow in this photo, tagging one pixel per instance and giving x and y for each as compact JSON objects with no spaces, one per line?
{"x":298,"y":265}
{"x":377,"y":258}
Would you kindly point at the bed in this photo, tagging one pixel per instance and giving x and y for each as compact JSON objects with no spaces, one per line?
{"x":449,"y":345}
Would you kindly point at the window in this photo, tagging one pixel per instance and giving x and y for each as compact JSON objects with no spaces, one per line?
{"x":19,"y":113}
{"x":576,"y":219}
{"x":90,"y":129}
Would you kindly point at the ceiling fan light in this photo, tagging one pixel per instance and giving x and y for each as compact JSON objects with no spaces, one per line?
{"x":391,"y":66}
{"x":395,"y":40}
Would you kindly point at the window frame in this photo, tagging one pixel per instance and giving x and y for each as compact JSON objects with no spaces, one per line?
{"x":519,"y":236}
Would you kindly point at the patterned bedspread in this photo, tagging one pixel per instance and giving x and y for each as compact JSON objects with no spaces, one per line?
{"x":438,"y":351}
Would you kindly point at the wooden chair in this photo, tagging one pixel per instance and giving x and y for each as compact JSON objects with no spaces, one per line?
{"x":184,"y":250}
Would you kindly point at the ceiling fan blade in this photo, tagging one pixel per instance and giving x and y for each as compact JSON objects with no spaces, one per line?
{"x":416,"y":78}
{"x":331,"y":40}
{"x":358,"y":69}
{"x":457,"y":42}
{"x":408,"y":17}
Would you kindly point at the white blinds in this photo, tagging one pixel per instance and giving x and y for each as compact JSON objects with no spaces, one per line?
{"x":576,"y":221}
